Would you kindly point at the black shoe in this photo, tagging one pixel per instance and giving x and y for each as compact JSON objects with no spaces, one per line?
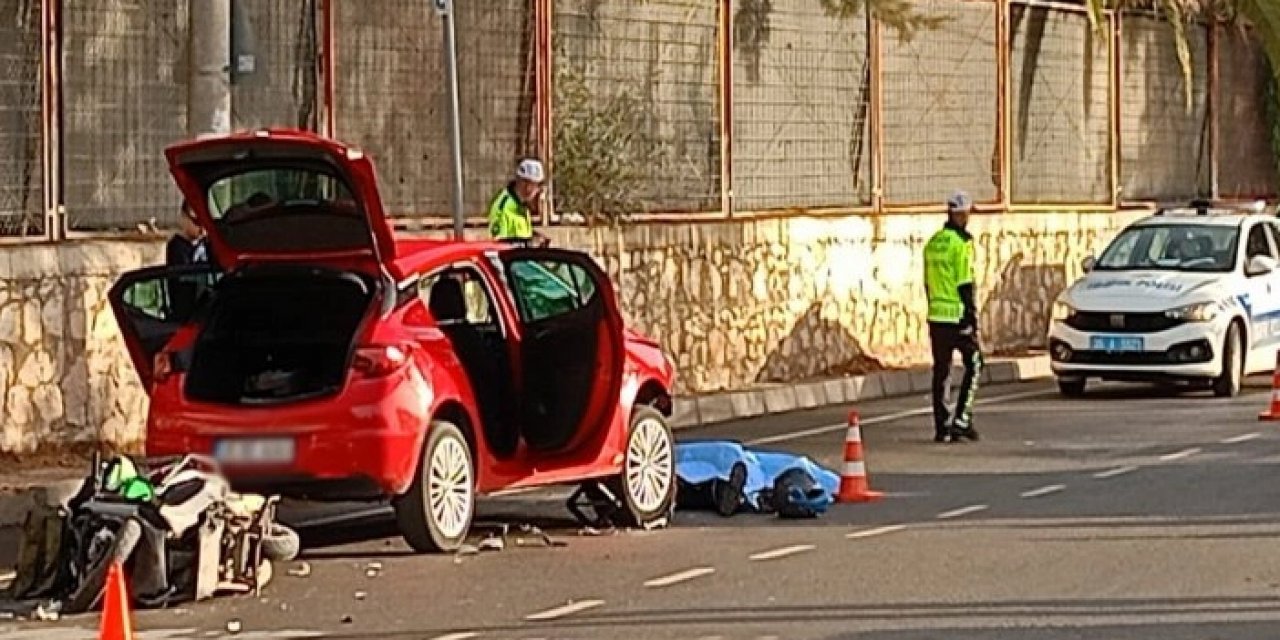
{"x":969,"y":433}
{"x":940,"y":436}
{"x":729,"y":496}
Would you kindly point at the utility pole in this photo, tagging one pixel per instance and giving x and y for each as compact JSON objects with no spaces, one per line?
{"x":209,"y":96}
{"x":446,"y":10}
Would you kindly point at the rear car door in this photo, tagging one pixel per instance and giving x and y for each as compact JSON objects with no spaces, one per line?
{"x":571,"y":346}
{"x":151,"y":304}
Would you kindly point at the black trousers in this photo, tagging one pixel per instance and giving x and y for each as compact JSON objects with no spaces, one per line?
{"x":946,"y":339}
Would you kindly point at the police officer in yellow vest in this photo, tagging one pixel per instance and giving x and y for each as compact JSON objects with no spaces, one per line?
{"x":953,"y":319}
{"x":511,"y":212}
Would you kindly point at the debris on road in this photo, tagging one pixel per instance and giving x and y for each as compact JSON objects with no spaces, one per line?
{"x":301,"y":570}
{"x":726,"y":477}
{"x":234,"y":626}
{"x":184,"y":534}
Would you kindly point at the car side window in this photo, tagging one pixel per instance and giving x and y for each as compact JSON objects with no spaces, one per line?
{"x":1274,"y":231}
{"x":1258,"y":244}
{"x":548,"y":288}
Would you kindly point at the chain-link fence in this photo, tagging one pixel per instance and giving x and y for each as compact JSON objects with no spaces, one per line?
{"x":1059,"y":76}
{"x":941,"y":107}
{"x":638,"y":98}
{"x":275,"y":49}
{"x":124,"y":91}
{"x":21,"y":144}
{"x":1246,"y":162}
{"x":1164,"y":140}
{"x":635,"y":107}
{"x":801,"y":105}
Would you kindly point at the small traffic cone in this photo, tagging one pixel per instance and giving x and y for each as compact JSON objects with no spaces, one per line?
{"x":1273,"y":414}
{"x":117,"y":623}
{"x":853,"y":477}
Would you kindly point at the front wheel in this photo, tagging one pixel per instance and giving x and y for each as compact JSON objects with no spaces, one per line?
{"x":1228,"y":383}
{"x":435,"y":514}
{"x":647,"y":485}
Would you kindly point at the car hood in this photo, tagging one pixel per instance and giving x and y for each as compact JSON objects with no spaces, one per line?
{"x":347,"y":224}
{"x":1141,"y":290}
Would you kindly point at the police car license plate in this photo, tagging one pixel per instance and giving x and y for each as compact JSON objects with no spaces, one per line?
{"x":1113,"y":344}
{"x":254,"y":451}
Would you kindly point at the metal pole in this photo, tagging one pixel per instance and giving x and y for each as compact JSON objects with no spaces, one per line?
{"x":445,"y":7}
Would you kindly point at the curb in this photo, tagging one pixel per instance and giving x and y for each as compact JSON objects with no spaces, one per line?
{"x":714,"y":408}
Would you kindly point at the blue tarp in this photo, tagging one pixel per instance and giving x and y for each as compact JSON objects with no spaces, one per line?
{"x":699,"y":462}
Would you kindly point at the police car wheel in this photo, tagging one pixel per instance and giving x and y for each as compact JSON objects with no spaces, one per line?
{"x":647,"y":485}
{"x":1227,"y":385}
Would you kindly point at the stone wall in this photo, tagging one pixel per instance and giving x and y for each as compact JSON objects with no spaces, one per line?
{"x":736,"y":303}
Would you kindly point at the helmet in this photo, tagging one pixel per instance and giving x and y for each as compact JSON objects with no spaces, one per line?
{"x":532,"y":171}
{"x":959,"y":202}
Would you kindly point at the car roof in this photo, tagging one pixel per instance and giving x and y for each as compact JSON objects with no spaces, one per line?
{"x":414,"y":255}
{"x":1211,"y":220}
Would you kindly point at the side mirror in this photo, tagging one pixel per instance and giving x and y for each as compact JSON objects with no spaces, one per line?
{"x":1260,"y":266}
{"x":1088,"y":264}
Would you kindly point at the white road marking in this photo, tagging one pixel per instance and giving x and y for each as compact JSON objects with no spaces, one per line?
{"x":783,"y":552}
{"x":1111,"y":473}
{"x":1178,"y":455}
{"x":890,"y":417}
{"x":565,"y":610}
{"x":681,"y":576}
{"x":962,"y":511}
{"x":867,"y":533}
{"x":1244,"y":438}
{"x":465,"y":635}
{"x":1043,"y":491}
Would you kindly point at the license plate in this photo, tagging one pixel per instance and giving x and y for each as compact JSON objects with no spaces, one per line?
{"x":254,"y":451}
{"x":1113,"y":344}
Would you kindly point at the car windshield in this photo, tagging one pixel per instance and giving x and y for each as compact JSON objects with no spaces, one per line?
{"x":1209,"y":248}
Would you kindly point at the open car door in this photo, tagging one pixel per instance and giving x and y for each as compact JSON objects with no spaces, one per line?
{"x":151,"y":304}
{"x":571,"y":353}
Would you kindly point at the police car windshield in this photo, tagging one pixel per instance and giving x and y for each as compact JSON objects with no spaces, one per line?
{"x":1202,"y":248}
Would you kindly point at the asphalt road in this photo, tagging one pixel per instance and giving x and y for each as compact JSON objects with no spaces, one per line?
{"x":1129,"y":514}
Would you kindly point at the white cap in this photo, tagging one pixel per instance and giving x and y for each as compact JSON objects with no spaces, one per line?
{"x":532,"y":171}
{"x":959,"y":202}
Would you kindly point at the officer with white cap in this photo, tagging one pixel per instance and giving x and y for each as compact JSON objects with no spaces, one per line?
{"x":953,"y":319}
{"x":511,"y":212}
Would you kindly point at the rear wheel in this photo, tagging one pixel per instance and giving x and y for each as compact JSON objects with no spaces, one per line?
{"x":1228,"y":383}
{"x":435,"y":514}
{"x":1072,"y":387}
{"x":647,"y":485}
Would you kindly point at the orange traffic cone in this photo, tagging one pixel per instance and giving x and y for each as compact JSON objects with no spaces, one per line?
{"x":853,"y":478}
{"x":117,"y":622}
{"x":1273,"y":414}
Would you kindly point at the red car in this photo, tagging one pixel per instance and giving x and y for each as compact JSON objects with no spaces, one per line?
{"x":327,"y":359}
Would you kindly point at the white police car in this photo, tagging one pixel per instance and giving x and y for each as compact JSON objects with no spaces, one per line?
{"x":1190,"y":296}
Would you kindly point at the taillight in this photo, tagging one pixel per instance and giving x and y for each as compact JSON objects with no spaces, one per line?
{"x":380,"y":360}
{"x":162,"y":367}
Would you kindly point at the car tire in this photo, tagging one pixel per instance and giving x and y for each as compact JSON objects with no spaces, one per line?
{"x":435,"y":514}
{"x":647,"y":484}
{"x":1072,"y":387}
{"x":1228,"y":383}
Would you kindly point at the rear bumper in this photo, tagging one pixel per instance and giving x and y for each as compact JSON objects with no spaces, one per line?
{"x":360,"y":445}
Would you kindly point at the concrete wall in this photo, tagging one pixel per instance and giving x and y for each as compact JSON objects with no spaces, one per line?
{"x":737,"y":303}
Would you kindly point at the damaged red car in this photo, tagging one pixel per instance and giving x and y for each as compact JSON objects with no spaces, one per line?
{"x":328,"y":359}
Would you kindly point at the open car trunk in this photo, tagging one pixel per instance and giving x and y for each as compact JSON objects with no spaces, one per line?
{"x":283,"y":334}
